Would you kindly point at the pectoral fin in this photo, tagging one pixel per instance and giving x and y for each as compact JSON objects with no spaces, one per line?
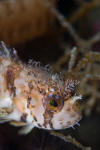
{"x":27,"y":129}
{"x":17,"y":124}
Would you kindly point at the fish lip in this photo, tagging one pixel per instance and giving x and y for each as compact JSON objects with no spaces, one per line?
{"x":76,"y":98}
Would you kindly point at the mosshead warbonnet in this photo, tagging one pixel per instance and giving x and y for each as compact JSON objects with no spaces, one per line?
{"x":31,"y":96}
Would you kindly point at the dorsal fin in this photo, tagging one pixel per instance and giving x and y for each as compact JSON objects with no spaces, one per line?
{"x":6,"y":51}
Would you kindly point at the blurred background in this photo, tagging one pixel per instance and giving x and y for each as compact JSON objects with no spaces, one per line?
{"x":69,"y":40}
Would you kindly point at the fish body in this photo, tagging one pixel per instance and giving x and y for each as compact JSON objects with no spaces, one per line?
{"x":31,"y":96}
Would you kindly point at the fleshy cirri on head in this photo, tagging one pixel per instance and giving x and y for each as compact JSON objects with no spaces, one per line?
{"x":31,"y":96}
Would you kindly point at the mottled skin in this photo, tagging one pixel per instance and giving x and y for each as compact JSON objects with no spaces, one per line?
{"x":32,"y":96}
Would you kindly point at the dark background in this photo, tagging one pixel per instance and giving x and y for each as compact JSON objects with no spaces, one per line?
{"x":89,"y":131}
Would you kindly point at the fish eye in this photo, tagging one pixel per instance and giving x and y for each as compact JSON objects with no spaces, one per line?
{"x":53,"y":103}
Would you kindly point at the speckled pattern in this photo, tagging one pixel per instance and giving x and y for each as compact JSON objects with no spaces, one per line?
{"x":26,"y":93}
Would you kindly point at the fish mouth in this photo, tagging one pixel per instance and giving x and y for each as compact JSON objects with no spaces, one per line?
{"x":76,"y":98}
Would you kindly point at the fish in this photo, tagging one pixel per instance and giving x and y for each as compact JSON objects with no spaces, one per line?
{"x":34,"y":96}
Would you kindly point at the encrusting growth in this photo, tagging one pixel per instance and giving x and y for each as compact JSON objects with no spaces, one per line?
{"x":32,"y":96}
